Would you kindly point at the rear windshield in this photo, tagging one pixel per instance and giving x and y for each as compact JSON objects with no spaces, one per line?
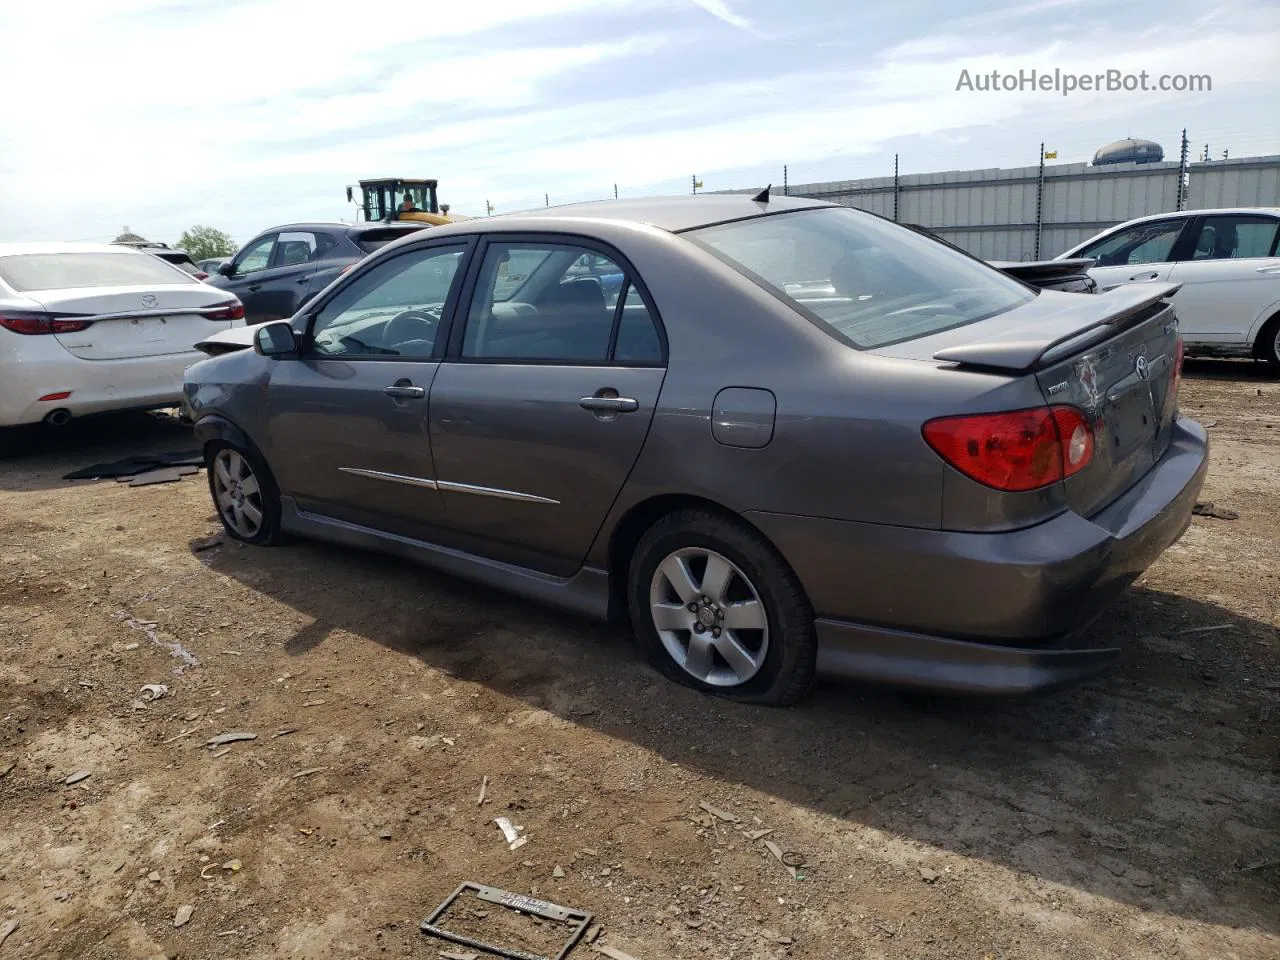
{"x":867,"y":281}
{"x":69,"y":271}
{"x":371,"y":240}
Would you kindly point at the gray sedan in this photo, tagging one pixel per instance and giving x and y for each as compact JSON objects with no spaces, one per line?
{"x":785,"y":438}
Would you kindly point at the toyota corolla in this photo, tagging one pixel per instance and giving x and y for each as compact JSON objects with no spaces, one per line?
{"x":793,"y":438}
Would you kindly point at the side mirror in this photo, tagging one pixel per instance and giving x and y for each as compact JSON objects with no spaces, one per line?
{"x":226,"y":269}
{"x":276,"y":340}
{"x":350,"y":198}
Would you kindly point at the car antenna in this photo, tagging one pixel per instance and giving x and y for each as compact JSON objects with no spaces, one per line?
{"x":763,"y":195}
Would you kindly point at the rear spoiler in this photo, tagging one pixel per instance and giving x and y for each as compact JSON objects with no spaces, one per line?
{"x":1045,"y":269}
{"x":1027,"y":349}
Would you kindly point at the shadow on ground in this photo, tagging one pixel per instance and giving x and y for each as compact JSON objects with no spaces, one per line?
{"x":1155,"y":785}
{"x":1222,"y":369}
{"x":37,"y":457}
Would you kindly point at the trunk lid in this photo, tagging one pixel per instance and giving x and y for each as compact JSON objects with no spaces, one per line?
{"x":131,"y":322}
{"x":1112,"y":356}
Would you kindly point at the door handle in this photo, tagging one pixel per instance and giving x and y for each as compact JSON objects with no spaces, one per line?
{"x":1269,"y":269}
{"x":610,"y":404}
{"x":302,"y":280}
{"x":405,"y":392}
{"x":1146,"y":276}
{"x":254,"y":288}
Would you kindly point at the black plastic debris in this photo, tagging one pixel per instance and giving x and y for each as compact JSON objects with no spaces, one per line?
{"x":132,"y":466}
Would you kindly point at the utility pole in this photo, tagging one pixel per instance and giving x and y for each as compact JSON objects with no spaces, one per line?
{"x":786,"y":190}
{"x":546,"y":199}
{"x":488,"y":208}
{"x":1182,"y":173}
{"x":1039,"y":204}
{"x":615,"y":191}
{"x":895,"y":188}
{"x":695,"y":183}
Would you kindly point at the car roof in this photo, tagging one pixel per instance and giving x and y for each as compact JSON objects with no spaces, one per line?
{"x":54,"y":246}
{"x":1216,"y":211}
{"x":668,"y":213}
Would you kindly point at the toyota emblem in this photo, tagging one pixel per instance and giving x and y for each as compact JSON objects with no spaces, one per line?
{"x":149,"y":301}
{"x":1141,"y":368}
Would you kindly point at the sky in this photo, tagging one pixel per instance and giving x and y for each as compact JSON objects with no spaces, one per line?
{"x":245,"y":114}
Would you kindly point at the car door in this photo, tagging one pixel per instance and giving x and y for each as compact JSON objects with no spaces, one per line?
{"x":245,"y":276}
{"x":1138,"y":253}
{"x":544,"y":400}
{"x":282,"y":286}
{"x":347,"y":421}
{"x":1230,"y":277}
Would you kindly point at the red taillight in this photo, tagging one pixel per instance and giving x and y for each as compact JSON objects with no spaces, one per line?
{"x":227,"y":311}
{"x":35,"y":324}
{"x":49,"y":397}
{"x":1017,"y":450}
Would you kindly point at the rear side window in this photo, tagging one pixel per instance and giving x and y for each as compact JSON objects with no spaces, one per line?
{"x":69,"y":271}
{"x":868,"y":282}
{"x":1235,"y":238}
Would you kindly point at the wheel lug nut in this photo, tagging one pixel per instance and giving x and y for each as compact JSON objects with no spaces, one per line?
{"x":693,"y":607}
{"x":715,"y":631}
{"x":699,"y":628}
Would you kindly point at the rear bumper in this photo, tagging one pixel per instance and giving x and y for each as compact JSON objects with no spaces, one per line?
{"x":96,"y":386}
{"x":985,"y":612}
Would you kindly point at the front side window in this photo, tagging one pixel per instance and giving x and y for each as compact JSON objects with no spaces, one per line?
{"x":256,"y":257}
{"x":869,"y":282}
{"x":557,"y":303}
{"x":1139,"y":244}
{"x":69,"y":271}
{"x":1235,"y":238}
{"x":393,"y":310}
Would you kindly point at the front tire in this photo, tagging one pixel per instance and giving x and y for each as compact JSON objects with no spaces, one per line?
{"x":715,"y":607}
{"x":1269,"y":344}
{"x":244,"y":493}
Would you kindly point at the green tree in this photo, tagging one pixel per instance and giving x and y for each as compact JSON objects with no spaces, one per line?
{"x":205,"y":242}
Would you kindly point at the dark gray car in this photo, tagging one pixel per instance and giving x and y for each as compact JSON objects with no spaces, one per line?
{"x":792,"y":438}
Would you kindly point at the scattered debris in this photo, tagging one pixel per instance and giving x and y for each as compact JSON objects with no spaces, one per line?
{"x":200,"y":546}
{"x":148,"y":627}
{"x":717,"y":813}
{"x":306,"y":773}
{"x":233,"y":866}
{"x":220,"y":753}
{"x":166,"y":475}
{"x":313,"y":703}
{"x":183,"y":915}
{"x":6,"y":930}
{"x":225,"y":738}
{"x":928,"y":875}
{"x":1208,"y":509}
{"x":153,"y":691}
{"x":577,"y":921}
{"x":75,"y":778}
{"x":457,"y":955}
{"x":754,"y":835}
{"x":1209,"y":423}
{"x":154,"y":876}
{"x":384,"y":833}
{"x":1247,"y":868}
{"x":614,"y":954}
{"x":184,"y":733}
{"x":780,"y":857}
{"x":558,"y":872}
{"x":284,"y":733}
{"x":8,"y":768}
{"x":512,"y":833}
{"x":793,"y":858}
{"x":1220,"y":626}
{"x":205,"y":874}
{"x":484,"y":789}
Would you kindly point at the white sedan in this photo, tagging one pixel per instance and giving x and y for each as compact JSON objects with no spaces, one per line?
{"x":1227,"y":262}
{"x":87,"y":328}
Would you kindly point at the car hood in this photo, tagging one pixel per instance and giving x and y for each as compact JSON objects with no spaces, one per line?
{"x":229,"y":341}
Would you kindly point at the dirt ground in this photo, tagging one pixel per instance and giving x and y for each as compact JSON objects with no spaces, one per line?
{"x":1134,"y":816}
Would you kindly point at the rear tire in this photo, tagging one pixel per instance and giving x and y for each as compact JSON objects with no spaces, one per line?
{"x":715,"y":607}
{"x":244,"y":493}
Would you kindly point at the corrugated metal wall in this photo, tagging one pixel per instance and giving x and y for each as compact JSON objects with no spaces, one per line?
{"x":992,"y":213}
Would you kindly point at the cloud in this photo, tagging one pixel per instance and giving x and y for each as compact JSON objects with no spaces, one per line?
{"x":720,"y":10}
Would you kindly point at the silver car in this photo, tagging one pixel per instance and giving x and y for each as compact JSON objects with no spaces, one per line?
{"x":785,"y":437}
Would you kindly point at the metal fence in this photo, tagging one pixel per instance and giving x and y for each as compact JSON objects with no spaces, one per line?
{"x":1011,"y":214}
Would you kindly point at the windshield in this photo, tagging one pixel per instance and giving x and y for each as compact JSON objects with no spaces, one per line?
{"x":867,"y":281}
{"x":68,"y":271}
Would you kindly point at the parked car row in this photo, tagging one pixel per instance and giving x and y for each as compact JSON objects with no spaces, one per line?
{"x":776,"y":435}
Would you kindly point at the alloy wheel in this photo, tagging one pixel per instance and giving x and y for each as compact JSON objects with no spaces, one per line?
{"x":238,"y":493}
{"x":709,"y":617}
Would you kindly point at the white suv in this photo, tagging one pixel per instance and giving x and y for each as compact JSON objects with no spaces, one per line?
{"x":1227,"y":262}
